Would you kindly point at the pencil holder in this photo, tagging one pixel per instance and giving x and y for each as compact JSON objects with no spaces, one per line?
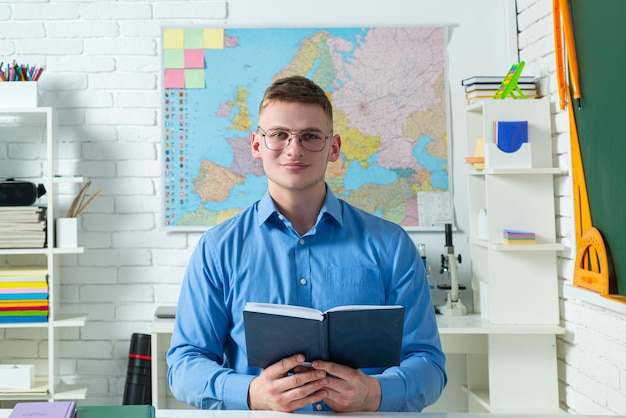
{"x":18,"y":94}
{"x":67,"y":232}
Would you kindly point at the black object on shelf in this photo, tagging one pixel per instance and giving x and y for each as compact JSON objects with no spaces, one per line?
{"x":138,"y":387}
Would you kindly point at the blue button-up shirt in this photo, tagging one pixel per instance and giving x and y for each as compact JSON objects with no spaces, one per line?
{"x":348,"y":257}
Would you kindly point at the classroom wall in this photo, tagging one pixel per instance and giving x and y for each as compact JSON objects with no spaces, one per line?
{"x":592,"y":365}
{"x":103,"y":77}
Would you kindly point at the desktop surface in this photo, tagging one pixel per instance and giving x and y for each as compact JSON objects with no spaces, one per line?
{"x":184,"y":413}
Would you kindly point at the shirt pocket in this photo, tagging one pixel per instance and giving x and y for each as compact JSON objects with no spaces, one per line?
{"x":354,"y":285}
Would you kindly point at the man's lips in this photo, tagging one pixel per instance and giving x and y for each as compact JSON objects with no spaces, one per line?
{"x":294,"y":165}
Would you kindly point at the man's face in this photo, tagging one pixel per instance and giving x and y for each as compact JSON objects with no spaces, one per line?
{"x":294,"y":168}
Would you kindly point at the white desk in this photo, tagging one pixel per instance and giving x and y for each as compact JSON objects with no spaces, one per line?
{"x":491,"y":368}
{"x":177,"y":413}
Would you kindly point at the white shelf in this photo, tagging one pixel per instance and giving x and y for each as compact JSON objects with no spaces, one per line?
{"x":480,"y":397}
{"x":522,"y":248}
{"x":45,"y":387}
{"x":515,"y":285}
{"x":60,"y":321}
{"x":40,"y":392}
{"x":476,"y":324}
{"x":67,"y":179}
{"x":65,"y":392}
{"x":45,"y":251}
{"x":516,"y":171}
{"x":18,"y":110}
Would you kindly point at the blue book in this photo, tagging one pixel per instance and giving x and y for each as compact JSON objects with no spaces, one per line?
{"x":11,"y":319}
{"x":359,"y":336}
{"x":23,"y":296}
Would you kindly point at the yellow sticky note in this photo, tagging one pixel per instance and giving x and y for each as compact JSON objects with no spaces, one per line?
{"x":214,"y":38}
{"x":173,"y":38}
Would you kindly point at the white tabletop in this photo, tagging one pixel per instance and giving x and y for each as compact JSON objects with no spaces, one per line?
{"x":454,"y":325}
{"x":190,"y":413}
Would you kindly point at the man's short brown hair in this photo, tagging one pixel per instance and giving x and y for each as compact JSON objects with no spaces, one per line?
{"x":297,"y":89}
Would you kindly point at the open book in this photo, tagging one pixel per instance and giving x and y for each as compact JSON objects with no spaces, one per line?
{"x":359,"y":336}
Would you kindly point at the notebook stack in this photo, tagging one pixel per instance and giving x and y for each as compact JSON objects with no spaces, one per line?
{"x":479,"y":88}
{"x":513,"y":237}
{"x":22,"y":227}
{"x":23,"y":295}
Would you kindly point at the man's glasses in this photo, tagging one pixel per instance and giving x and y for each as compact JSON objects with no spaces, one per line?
{"x":310,"y":139}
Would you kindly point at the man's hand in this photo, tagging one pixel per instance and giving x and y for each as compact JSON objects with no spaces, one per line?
{"x":349,"y":389}
{"x":276,"y":389}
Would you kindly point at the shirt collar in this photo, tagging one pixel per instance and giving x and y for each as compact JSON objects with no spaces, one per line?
{"x":266,"y":208}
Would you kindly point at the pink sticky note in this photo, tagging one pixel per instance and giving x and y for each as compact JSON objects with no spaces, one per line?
{"x":194,"y":58}
{"x":174,"y":79}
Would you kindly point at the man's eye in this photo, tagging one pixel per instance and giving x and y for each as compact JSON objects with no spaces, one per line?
{"x":279,"y":135}
{"x":311,"y":136}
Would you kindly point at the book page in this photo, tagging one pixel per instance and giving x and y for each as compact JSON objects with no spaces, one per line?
{"x":285,"y":310}
{"x":363,"y":307}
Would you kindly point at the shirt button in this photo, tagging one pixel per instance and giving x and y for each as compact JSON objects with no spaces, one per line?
{"x":302,"y":242}
{"x":302,"y":281}
{"x":319,"y":406}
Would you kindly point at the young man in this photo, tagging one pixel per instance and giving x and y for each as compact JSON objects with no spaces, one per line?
{"x":300,"y":245}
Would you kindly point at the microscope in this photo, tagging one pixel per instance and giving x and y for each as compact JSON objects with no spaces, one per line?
{"x":453,"y":306}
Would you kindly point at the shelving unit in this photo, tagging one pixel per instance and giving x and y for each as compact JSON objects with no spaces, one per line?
{"x":515,"y":286}
{"x":49,"y":386}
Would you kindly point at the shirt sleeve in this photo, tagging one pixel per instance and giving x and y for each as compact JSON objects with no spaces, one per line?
{"x":421,"y":377}
{"x":196,"y":359}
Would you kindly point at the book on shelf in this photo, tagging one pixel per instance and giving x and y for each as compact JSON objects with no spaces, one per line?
{"x":22,"y":227}
{"x":480,"y":99}
{"x":23,"y":274}
{"x":496,"y":86}
{"x":495,"y":80}
{"x":491,"y":93}
{"x":115,"y":411}
{"x":514,"y":237}
{"x":24,"y":295}
{"x":55,"y":409}
{"x":22,"y":213}
{"x":358,"y":336}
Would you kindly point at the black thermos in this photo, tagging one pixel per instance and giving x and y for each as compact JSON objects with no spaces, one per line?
{"x":138,"y":388}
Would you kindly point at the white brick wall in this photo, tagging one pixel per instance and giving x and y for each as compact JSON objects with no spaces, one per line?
{"x":592,"y":364}
{"x":103,"y":77}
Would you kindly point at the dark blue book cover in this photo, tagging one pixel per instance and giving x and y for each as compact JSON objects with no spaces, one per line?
{"x":357,"y":336}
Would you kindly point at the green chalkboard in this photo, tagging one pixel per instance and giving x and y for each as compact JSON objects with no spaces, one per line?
{"x":600,"y":34}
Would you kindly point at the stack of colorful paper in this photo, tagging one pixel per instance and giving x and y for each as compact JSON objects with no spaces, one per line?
{"x":23,"y":295}
{"x":518,"y":237}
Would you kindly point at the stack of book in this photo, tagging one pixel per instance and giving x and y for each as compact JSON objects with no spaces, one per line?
{"x":513,"y":237}
{"x":23,"y":295}
{"x":22,"y":227}
{"x":479,"y":88}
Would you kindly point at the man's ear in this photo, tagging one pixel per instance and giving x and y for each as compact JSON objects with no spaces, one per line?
{"x":335,"y":148}
{"x":255,"y":144}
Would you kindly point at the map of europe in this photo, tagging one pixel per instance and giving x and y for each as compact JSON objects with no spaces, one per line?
{"x":387,"y":87}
